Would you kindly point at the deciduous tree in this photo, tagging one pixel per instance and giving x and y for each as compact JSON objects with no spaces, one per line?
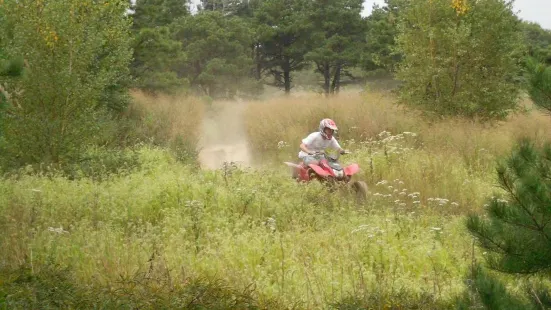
{"x":460,"y":57}
{"x":75,"y":51}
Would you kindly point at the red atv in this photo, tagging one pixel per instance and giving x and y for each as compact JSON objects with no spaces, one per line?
{"x":329,"y":171}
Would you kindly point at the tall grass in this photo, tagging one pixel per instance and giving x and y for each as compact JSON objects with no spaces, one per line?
{"x":452,"y":159}
{"x":168,"y":236}
{"x":155,"y":233}
{"x":168,"y":121}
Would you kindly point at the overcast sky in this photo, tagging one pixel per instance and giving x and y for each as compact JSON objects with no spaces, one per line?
{"x":538,"y":11}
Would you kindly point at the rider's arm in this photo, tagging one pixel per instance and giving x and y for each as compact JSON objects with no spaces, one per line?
{"x":337,"y":146}
{"x":305,"y":149}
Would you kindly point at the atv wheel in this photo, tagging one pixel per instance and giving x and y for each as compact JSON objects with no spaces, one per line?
{"x":360,"y":188}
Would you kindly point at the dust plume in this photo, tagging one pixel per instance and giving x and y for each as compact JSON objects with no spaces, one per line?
{"x":223,"y":136}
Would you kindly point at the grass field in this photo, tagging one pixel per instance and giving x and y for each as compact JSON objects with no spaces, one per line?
{"x":169,"y":236}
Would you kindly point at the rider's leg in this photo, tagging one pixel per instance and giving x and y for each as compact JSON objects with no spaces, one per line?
{"x":310,"y":160}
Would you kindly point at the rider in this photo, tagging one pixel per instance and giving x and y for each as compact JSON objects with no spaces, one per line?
{"x":318,"y":141}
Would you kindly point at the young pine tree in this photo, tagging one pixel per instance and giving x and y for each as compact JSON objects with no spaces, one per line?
{"x":517,"y":231}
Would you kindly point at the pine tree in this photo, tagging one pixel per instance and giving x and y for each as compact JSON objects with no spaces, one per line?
{"x":517,"y":231}
{"x":156,"y":52}
{"x":382,"y":28}
{"x":282,"y":32}
{"x":336,"y":39}
{"x":539,"y":86}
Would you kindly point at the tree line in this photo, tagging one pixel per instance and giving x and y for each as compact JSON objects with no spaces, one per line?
{"x":269,"y":40}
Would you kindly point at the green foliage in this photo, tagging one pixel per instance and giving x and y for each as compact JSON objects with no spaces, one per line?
{"x":525,"y":211}
{"x":538,"y":41}
{"x":460,"y":60}
{"x":8,"y":69}
{"x":226,"y":7}
{"x":156,"y":53}
{"x":56,"y":287}
{"x":381,"y":31}
{"x":336,"y":39}
{"x":11,"y":68}
{"x":486,"y":290}
{"x":539,"y":83}
{"x":76,"y":51}
{"x":282,"y":31}
{"x":516,"y":232}
{"x":218,"y":52}
{"x":155,"y":13}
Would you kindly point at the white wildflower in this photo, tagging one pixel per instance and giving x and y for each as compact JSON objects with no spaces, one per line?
{"x":360,"y":228}
{"x":271,"y":223}
{"x":59,"y":230}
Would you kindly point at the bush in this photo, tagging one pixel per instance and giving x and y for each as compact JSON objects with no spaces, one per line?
{"x":76,"y":54}
{"x":460,"y":59}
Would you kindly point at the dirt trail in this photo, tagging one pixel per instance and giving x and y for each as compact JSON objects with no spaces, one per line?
{"x":224,"y":137}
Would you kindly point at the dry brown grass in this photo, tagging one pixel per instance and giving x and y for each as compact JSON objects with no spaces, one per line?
{"x":363,"y":116}
{"x":291,"y":119}
{"x":169,"y":117}
{"x":451,"y":158}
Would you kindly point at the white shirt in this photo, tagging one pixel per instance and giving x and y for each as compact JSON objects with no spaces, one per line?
{"x":315,"y":143}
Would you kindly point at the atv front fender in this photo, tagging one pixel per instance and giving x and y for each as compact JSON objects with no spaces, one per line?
{"x":319,"y":170}
{"x":351,"y":169}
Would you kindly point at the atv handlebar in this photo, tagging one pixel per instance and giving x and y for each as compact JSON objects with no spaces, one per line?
{"x":328,"y":155}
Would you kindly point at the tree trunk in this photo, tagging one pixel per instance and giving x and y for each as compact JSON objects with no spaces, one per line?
{"x":326,"y":77}
{"x":258,"y":72}
{"x":287,"y":75}
{"x":335,"y":86}
{"x":287,"y":81}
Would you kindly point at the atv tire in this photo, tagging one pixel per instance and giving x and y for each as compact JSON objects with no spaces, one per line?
{"x":360,"y":188}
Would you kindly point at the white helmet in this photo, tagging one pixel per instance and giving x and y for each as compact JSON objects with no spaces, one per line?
{"x":327,"y":123}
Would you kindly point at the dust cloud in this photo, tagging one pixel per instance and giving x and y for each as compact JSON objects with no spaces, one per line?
{"x":223,"y":136}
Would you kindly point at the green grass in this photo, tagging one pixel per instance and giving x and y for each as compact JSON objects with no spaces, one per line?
{"x":165,"y":235}
{"x":156,"y":232}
